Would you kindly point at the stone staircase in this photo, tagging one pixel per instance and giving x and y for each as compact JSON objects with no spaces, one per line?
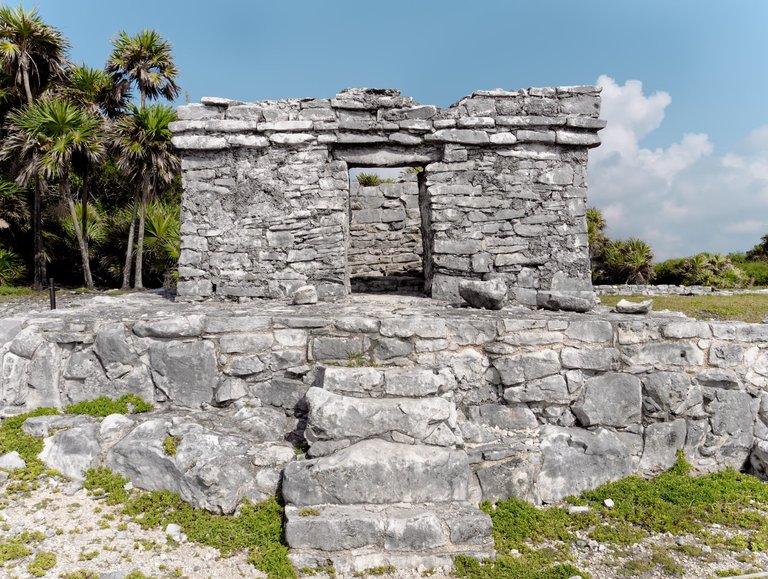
{"x":388,"y":481}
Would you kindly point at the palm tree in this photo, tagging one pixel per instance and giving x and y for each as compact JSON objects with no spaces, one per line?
{"x":95,"y":90}
{"x":630,"y":261}
{"x":163,"y":239}
{"x":760,"y":251}
{"x":56,"y":137}
{"x":13,"y":206}
{"x":597,"y":241}
{"x":142,"y":142}
{"x":32,"y":55}
{"x":144,"y":59}
{"x":33,"y":52}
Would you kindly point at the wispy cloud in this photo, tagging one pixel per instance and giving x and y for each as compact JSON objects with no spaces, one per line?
{"x":682,"y":199}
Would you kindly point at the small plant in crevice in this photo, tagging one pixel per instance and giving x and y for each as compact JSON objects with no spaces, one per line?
{"x":360,"y":361}
{"x":170,"y":444}
{"x":309,"y":512}
{"x":371,"y":179}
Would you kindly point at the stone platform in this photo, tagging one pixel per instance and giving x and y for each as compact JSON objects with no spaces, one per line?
{"x":410,"y":410}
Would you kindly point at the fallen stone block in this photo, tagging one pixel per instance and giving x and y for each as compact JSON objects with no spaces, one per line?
{"x":305,"y":295}
{"x":627,"y":307}
{"x":489,"y":295}
{"x":568,"y":302}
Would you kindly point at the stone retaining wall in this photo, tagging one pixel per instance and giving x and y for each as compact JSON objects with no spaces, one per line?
{"x":546,"y":404}
{"x":666,"y":289}
{"x":266,"y":189}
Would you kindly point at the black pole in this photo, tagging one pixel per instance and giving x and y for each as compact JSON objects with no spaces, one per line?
{"x":52,"y":293}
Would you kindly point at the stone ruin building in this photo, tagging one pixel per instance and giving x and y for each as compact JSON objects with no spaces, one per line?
{"x":406,"y":417}
{"x":497,"y":189}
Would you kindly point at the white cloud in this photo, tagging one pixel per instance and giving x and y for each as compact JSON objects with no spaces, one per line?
{"x":681,"y":199}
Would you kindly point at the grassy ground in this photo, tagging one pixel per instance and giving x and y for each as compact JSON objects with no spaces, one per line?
{"x":727,"y":512}
{"x":746,"y":307}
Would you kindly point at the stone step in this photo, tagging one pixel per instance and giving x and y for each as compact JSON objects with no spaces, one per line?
{"x":335,"y":418}
{"x":373,"y":382}
{"x":359,"y":537}
{"x":379,"y":472}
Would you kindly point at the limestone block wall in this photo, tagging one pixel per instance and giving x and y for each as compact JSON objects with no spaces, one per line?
{"x":267,"y":193}
{"x":541,"y":405}
{"x":384,"y":231}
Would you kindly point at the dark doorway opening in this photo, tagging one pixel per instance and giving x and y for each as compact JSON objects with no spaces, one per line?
{"x":387,"y":229}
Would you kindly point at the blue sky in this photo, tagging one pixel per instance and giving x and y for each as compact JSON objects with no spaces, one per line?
{"x":685,"y":159}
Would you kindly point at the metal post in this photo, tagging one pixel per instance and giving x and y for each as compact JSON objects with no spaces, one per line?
{"x":52,"y":293}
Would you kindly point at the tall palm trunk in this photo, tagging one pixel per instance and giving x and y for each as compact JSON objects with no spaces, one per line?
{"x":25,"y":77}
{"x":129,"y":249}
{"x":67,"y":194}
{"x":37,"y":233}
{"x":138,"y":282}
{"x":84,"y":208}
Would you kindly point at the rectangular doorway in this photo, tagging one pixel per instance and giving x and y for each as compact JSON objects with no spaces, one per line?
{"x":386,"y":246}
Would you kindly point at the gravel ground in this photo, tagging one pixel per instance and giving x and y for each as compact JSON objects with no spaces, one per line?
{"x":86,"y":534}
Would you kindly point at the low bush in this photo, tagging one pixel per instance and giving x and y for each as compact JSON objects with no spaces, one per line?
{"x":756,"y":270}
{"x":11,"y":267}
{"x":104,"y":406}
{"x":710,"y":269}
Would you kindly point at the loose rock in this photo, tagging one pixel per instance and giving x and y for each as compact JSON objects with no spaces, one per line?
{"x":627,"y":307}
{"x":489,"y":295}
{"x":306,"y":294}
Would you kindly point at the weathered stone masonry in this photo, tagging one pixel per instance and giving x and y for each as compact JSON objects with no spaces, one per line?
{"x":266,"y":204}
{"x":447,"y":406}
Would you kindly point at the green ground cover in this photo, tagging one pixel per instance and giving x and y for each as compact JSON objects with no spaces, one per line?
{"x":744,"y":307}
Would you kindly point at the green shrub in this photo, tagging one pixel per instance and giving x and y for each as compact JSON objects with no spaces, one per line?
{"x":371,"y":179}
{"x":12,"y":437}
{"x":104,"y":406}
{"x":162,"y":241}
{"x":80,"y":574}
{"x":674,"y":502}
{"x":627,"y":261}
{"x":709,"y":269}
{"x":11,"y":267}
{"x":17,"y":547}
{"x":42,"y":562}
{"x":755,"y":270}
{"x":669,"y":271}
{"x":412,"y":171}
